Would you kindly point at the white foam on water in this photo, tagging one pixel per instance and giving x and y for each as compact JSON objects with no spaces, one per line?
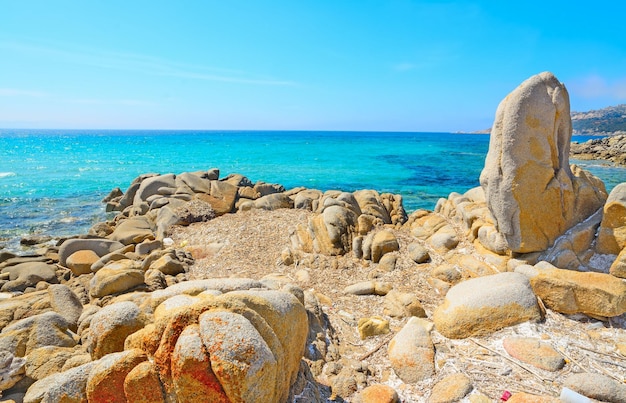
{"x":7,"y":174}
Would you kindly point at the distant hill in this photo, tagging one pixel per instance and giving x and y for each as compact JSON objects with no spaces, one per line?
{"x":602,"y":121}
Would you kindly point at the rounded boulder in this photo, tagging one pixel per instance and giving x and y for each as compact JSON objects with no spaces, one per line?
{"x":485,"y":304}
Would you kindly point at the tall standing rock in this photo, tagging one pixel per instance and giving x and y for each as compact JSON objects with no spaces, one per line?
{"x":531,"y":191}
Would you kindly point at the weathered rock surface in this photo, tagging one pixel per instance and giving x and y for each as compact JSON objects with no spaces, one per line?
{"x":11,"y":369}
{"x":486,"y":304}
{"x":105,"y":382}
{"x":383,"y":242}
{"x":568,"y":291}
{"x":111,"y":325}
{"x":451,"y":389}
{"x":530,"y":189}
{"x":28,"y":274}
{"x":48,"y":360}
{"x":418,"y":253}
{"x":574,"y":249}
{"x":253,"y":341}
{"x":379,"y":394}
{"x":618,"y":267}
{"x":368,"y":288}
{"x":80,"y":261}
{"x":192,"y":375}
{"x":154,"y":185}
{"x":25,"y":335}
{"x":116,"y":277}
{"x":142,"y":384}
{"x":66,"y":303}
{"x":597,"y":386}
{"x":100,"y":247}
{"x":403,"y":304}
{"x":612,"y":233}
{"x":341,"y":217}
{"x":534,"y":352}
{"x":134,"y":230}
{"x":66,"y":386}
{"x":411,"y":351}
{"x":332,"y":231}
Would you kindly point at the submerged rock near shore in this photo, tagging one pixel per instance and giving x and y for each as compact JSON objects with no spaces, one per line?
{"x":611,"y":149}
{"x":204,"y":288}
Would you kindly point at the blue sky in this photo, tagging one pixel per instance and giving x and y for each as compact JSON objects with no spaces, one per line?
{"x":297,"y":65}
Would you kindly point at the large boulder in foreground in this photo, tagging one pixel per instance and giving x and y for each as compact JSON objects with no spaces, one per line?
{"x":530,"y":188}
{"x":239,"y":346}
{"x":485,"y":304}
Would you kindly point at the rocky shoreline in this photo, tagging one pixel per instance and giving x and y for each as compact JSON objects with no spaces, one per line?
{"x":611,"y":148}
{"x":209,"y":288}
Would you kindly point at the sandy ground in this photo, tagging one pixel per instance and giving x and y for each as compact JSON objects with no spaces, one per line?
{"x":249,"y":244}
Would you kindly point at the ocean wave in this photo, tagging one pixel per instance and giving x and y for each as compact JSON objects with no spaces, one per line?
{"x":7,"y":174}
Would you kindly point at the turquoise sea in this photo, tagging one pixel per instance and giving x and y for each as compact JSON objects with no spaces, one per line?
{"x":52,"y":181}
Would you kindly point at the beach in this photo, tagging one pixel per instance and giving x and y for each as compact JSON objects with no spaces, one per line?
{"x":207,"y":284}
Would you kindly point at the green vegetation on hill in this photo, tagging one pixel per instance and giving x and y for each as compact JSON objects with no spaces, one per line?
{"x":602,"y":121}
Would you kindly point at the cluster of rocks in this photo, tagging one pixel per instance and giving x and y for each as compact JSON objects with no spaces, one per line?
{"x":542,"y":234}
{"x":114,"y":315}
{"x":611,"y":148}
{"x":110,"y":316}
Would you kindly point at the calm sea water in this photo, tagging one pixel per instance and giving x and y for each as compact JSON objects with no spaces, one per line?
{"x":51,"y":182}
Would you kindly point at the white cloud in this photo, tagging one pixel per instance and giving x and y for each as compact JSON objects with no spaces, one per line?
{"x":595,"y":86}
{"x":13,"y":92}
{"x":143,"y":64}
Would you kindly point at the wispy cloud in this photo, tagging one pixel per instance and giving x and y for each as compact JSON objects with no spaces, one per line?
{"x":14,"y":92}
{"x":142,"y":64}
{"x":403,"y":67}
{"x":123,"y":102}
{"x":596,"y":86}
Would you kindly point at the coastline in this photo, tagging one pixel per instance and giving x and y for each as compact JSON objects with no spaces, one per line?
{"x":256,"y":245}
{"x":68,"y":209}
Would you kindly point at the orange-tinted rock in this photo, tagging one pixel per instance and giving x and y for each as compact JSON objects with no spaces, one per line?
{"x":485,"y":304}
{"x":80,"y":262}
{"x":618,"y":268}
{"x":451,"y":389}
{"x":379,"y":394}
{"x":112,"y":324}
{"x":240,"y":357}
{"x":612,"y":232}
{"x":411,"y":351}
{"x":251,"y":341}
{"x":569,"y":292}
{"x":534,"y":352}
{"x":192,"y":375}
{"x":142,"y":385}
{"x":105,"y":383}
